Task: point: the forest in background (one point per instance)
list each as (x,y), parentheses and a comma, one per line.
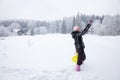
(105,25)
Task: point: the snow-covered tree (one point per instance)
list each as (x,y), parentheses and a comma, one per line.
(109,26)
(63,27)
(77,20)
(31,25)
(117,24)
(69,24)
(96,27)
(43,30)
(73,23)
(53,27)
(3,31)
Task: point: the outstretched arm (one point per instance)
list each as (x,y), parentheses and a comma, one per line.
(86,28)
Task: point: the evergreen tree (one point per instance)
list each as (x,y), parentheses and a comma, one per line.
(73,22)
(64,28)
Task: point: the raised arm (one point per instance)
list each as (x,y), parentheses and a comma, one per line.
(86,28)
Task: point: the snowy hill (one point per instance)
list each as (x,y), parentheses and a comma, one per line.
(48,57)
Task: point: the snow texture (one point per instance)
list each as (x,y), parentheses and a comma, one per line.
(48,57)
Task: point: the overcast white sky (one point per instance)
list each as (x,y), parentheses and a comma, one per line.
(55,9)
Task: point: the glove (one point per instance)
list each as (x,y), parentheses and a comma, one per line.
(90,22)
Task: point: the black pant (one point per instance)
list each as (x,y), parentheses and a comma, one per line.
(81,56)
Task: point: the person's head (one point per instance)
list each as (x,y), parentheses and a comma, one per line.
(76,28)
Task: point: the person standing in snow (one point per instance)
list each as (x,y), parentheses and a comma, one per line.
(79,45)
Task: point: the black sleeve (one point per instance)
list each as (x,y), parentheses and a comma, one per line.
(85,30)
(73,36)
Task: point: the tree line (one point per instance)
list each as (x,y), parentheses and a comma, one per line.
(102,25)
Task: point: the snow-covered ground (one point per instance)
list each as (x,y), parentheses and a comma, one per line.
(48,57)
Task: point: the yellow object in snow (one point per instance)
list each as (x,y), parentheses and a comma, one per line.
(75,58)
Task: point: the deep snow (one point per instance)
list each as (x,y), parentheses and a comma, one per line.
(48,57)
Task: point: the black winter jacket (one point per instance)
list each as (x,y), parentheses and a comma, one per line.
(77,36)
